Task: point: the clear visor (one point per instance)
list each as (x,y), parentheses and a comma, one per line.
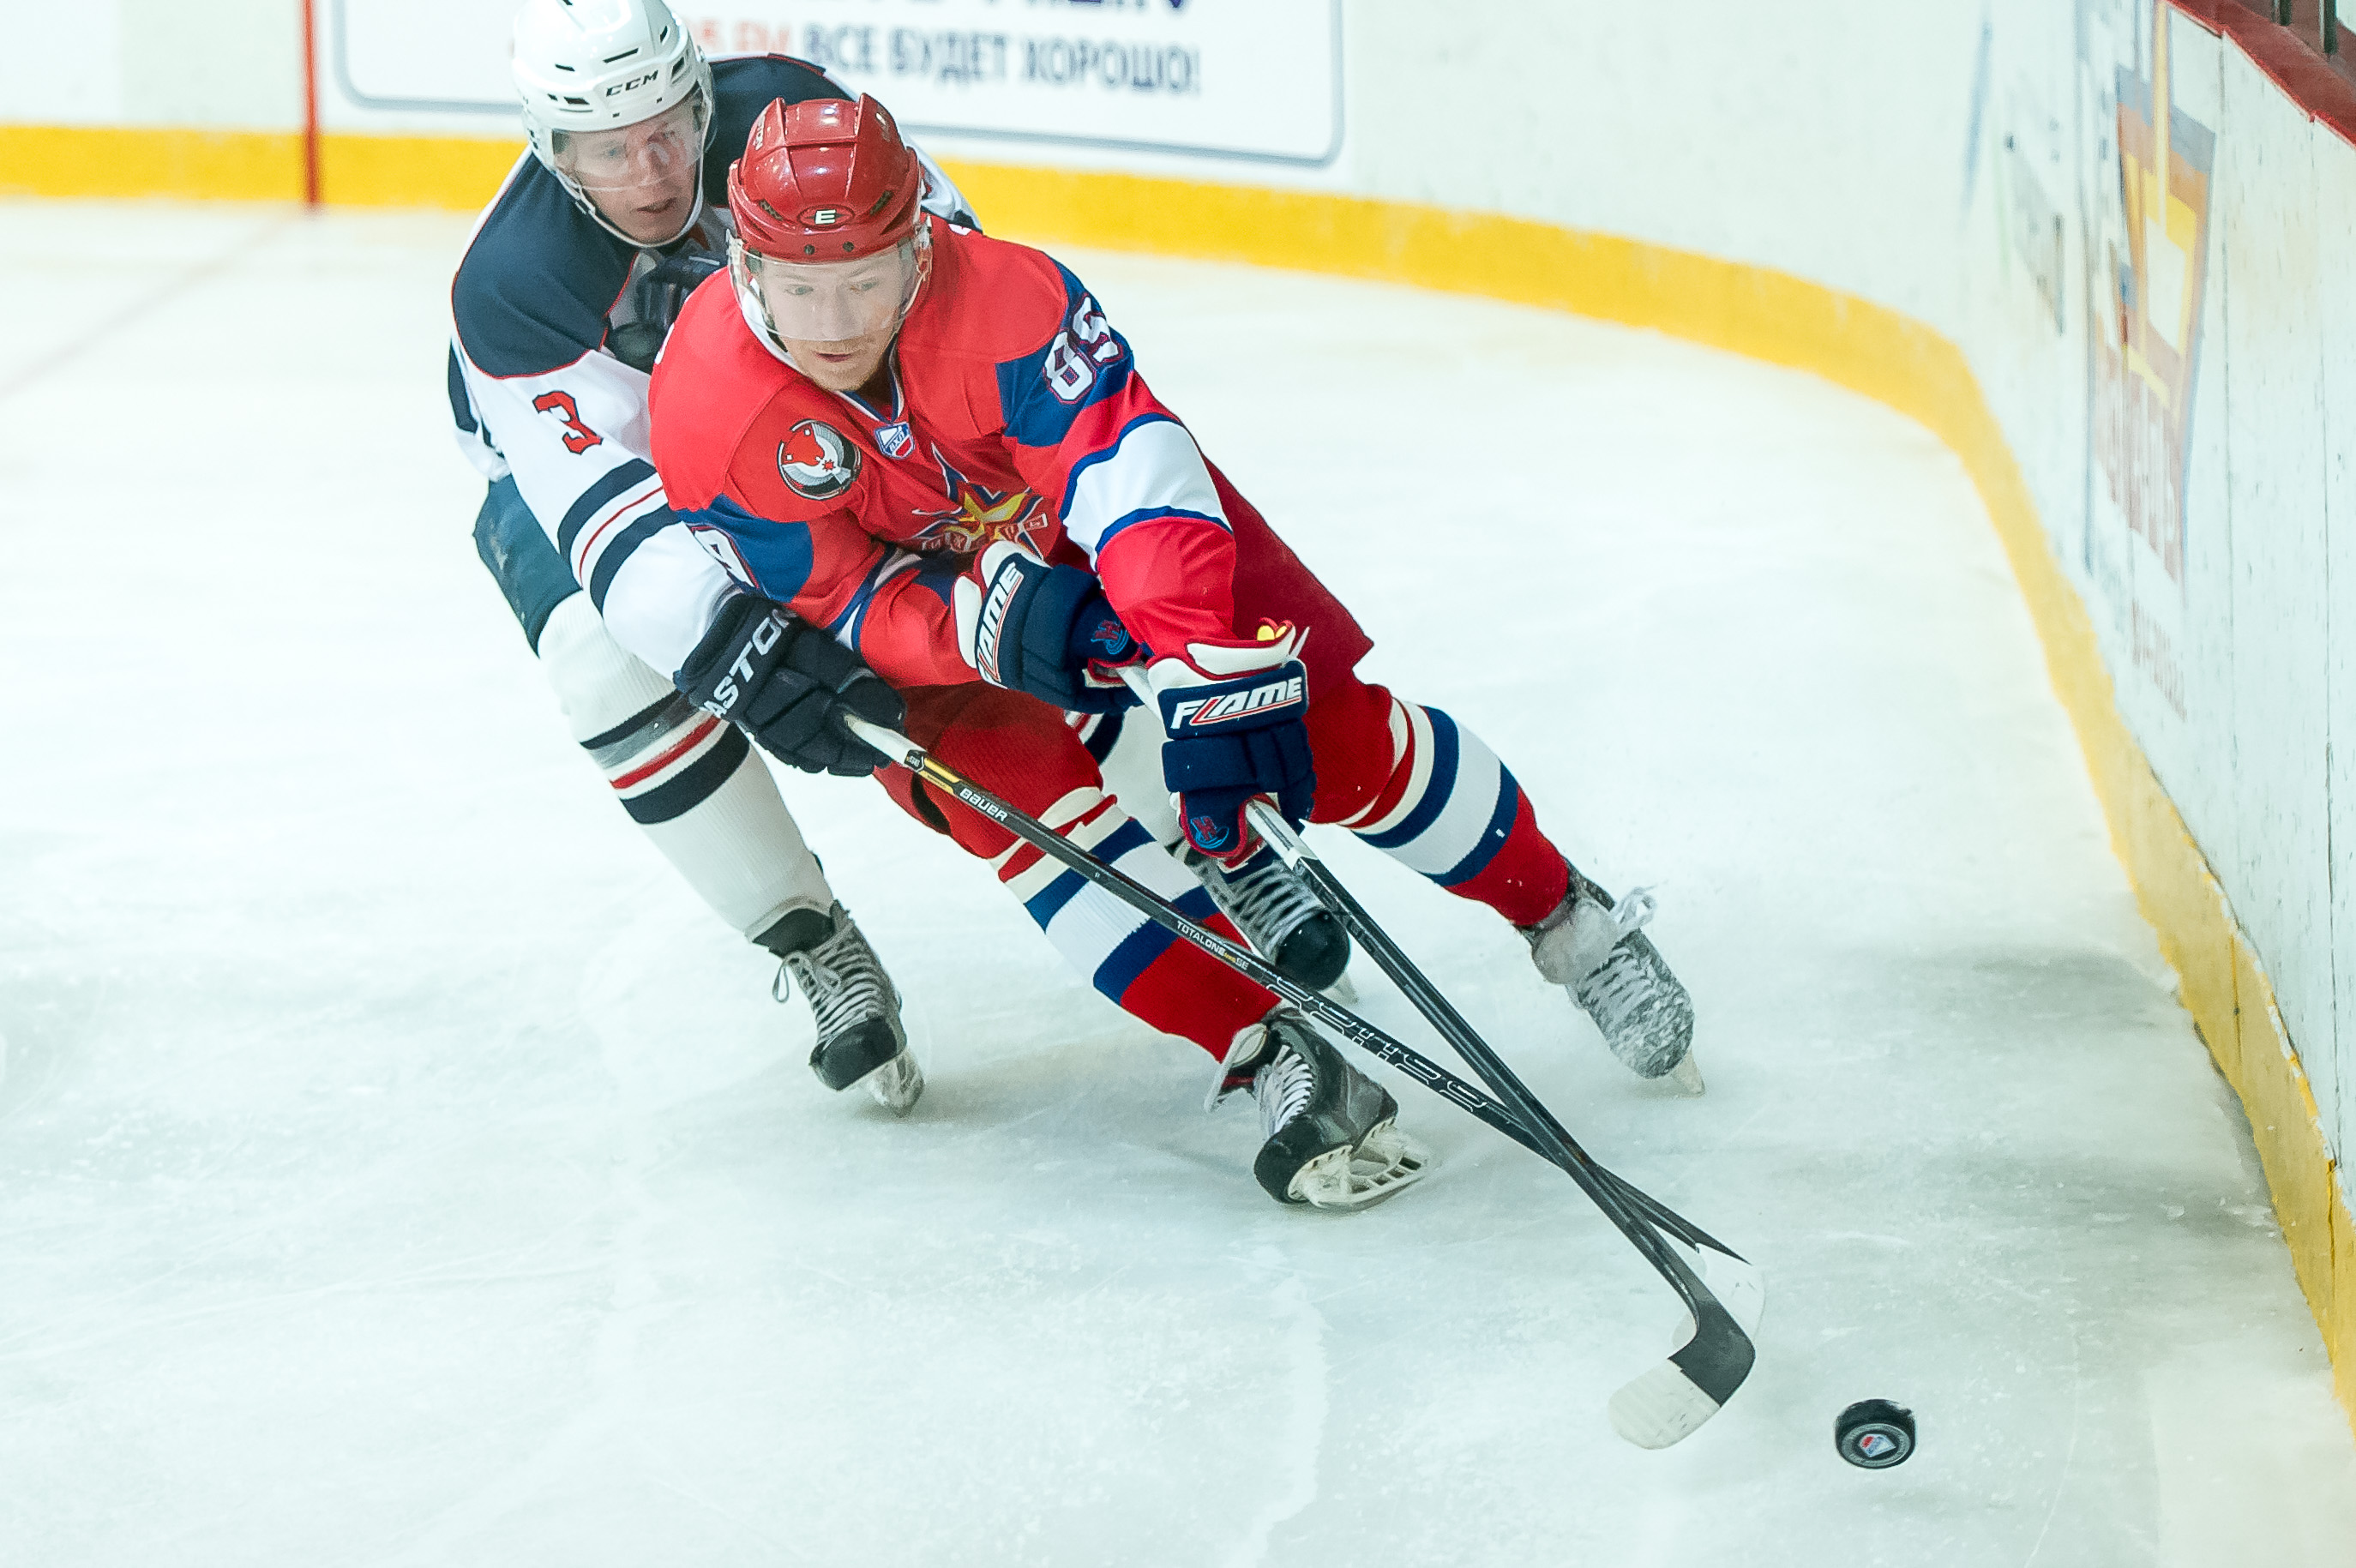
(663,148)
(835,301)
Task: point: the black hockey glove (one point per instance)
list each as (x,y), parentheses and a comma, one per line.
(657,297)
(789,684)
(1047,631)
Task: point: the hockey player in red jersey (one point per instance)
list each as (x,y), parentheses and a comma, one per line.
(937,446)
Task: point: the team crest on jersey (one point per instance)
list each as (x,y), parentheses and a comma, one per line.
(894,440)
(818,460)
(976,517)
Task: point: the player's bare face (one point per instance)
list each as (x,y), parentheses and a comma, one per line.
(641,176)
(837,320)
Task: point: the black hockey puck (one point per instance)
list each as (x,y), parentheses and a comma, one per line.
(1874,1434)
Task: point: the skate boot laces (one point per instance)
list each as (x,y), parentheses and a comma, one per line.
(1283,1086)
(1275,905)
(1641,1008)
(1623,978)
(842,977)
(1268,898)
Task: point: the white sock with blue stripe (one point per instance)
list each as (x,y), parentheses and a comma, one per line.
(1102,937)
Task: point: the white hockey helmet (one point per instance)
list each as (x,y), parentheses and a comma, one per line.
(600,65)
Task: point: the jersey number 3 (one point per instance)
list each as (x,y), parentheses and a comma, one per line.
(578,437)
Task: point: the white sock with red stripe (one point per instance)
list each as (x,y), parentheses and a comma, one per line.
(689,780)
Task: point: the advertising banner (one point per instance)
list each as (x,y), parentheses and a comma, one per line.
(1257,81)
(2149,162)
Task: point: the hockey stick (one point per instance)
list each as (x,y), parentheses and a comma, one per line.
(1731,1276)
(1701,1376)
(1656,1409)
(1442,1014)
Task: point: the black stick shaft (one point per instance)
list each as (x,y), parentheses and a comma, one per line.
(1601,1188)
(1478,1054)
(1552,1140)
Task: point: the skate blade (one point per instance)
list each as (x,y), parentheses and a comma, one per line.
(1686,1075)
(1387,1161)
(897,1084)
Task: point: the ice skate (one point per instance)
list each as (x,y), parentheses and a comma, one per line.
(1597,951)
(1278,913)
(856,1009)
(1331,1141)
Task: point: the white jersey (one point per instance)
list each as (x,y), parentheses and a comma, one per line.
(548,311)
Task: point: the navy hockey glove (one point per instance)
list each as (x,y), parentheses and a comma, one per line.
(1044,630)
(657,297)
(789,684)
(1236,715)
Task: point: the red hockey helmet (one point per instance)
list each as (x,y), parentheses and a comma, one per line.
(831,243)
(824,180)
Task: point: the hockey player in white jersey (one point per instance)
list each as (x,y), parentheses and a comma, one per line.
(558,305)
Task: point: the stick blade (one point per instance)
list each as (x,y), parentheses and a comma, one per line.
(1671,1401)
(1662,1407)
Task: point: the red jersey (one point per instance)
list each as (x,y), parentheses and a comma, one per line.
(1017,412)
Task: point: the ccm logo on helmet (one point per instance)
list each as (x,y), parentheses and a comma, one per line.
(633,84)
(1219,710)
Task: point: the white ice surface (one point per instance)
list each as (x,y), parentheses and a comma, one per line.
(399,1166)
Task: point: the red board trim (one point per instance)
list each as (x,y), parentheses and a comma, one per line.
(2287,57)
(310,104)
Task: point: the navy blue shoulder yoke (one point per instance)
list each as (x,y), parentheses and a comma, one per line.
(741,89)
